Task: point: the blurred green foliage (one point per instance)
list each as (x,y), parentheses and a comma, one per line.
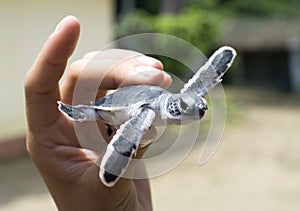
(196,26)
(199,22)
(265,8)
(135,22)
(251,8)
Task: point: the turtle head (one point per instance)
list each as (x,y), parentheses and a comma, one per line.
(184,108)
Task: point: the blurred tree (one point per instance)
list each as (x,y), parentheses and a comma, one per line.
(261,8)
(196,21)
(172,6)
(135,22)
(264,8)
(204,4)
(196,26)
(152,7)
(127,8)
(123,8)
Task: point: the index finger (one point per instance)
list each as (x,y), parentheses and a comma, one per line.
(110,69)
(41,82)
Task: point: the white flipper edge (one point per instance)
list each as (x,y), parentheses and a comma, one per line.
(210,74)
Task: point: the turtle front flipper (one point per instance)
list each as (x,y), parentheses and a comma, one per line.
(78,113)
(210,74)
(123,146)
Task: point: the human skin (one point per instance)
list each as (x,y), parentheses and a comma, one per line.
(70,171)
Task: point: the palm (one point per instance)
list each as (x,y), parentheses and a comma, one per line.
(73,160)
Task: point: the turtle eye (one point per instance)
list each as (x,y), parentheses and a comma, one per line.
(183,105)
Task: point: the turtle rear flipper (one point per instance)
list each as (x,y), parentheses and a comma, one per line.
(210,74)
(78,113)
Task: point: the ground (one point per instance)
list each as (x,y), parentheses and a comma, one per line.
(256,166)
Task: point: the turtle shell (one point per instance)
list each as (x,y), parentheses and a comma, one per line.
(123,104)
(131,95)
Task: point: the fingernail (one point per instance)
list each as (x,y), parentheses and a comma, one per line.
(62,22)
(167,81)
(147,70)
(146,60)
(167,76)
(146,74)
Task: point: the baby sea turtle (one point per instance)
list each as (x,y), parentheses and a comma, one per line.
(134,109)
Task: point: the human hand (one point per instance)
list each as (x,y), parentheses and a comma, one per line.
(69,170)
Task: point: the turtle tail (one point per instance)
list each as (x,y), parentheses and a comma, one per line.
(78,113)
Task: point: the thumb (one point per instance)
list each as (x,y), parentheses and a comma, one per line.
(52,59)
(41,82)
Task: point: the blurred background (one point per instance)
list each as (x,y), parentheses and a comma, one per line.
(257,165)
